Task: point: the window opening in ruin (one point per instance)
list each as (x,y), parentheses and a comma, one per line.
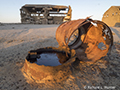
(57,15)
(38,17)
(36,14)
(28,14)
(63,11)
(116,13)
(52,12)
(41,14)
(112,14)
(107,15)
(23,12)
(33,8)
(32,15)
(38,11)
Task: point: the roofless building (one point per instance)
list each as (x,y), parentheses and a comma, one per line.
(45,14)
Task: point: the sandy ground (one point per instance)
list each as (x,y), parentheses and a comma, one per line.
(17,40)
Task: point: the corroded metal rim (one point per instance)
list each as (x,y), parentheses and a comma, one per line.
(41,73)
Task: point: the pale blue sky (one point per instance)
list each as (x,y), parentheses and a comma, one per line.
(9,9)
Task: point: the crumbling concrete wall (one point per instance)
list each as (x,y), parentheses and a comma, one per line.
(112,16)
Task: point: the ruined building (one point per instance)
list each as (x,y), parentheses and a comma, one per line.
(45,14)
(112,16)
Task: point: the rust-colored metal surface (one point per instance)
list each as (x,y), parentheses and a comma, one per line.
(91,39)
(44,73)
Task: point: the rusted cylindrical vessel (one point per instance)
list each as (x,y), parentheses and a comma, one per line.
(43,73)
(92,38)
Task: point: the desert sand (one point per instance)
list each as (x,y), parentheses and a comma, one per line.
(17,39)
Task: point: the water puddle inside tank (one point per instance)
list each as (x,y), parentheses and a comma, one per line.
(52,59)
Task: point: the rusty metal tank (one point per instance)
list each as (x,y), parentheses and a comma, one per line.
(41,65)
(91,39)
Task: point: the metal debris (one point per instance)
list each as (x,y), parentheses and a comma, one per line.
(91,39)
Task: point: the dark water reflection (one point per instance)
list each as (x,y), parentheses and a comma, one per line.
(52,59)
